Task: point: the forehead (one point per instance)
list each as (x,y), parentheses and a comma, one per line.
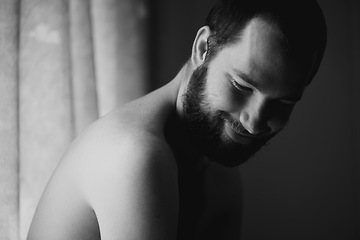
(261,54)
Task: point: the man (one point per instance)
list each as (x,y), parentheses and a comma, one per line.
(163,166)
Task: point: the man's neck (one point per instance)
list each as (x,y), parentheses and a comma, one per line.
(182,144)
(177,133)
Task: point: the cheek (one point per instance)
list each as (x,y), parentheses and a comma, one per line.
(276,124)
(225,97)
(279,119)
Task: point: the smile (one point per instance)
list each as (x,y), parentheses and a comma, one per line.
(236,136)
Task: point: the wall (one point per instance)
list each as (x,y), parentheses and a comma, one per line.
(304,185)
(173,27)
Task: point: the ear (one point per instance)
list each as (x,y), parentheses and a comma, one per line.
(200,46)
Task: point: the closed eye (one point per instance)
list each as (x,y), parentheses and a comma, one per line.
(239,86)
(288,102)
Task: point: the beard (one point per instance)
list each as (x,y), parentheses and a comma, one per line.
(206,127)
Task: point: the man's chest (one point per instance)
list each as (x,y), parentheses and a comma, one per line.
(208,199)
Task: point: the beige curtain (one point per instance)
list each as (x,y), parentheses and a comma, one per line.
(63,64)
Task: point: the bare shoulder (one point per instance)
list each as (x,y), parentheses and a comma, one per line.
(119,143)
(129,177)
(118,150)
(124,177)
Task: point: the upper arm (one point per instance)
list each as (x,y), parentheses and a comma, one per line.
(133,190)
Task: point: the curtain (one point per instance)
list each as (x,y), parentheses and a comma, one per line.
(63,64)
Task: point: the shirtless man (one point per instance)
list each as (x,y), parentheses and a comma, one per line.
(163,166)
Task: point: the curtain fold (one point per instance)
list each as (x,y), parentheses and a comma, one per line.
(84,92)
(9,131)
(119,33)
(46,122)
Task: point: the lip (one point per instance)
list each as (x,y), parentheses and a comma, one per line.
(237,137)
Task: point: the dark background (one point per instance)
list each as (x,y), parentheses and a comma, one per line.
(305,184)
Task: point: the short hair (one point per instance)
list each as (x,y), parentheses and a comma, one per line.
(301,22)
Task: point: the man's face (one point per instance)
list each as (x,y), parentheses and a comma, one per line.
(240,99)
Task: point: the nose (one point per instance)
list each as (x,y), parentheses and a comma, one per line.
(253,116)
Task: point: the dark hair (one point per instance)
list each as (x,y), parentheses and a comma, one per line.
(301,22)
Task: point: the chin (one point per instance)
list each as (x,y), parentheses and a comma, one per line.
(232,154)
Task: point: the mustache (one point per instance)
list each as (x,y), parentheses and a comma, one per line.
(234,124)
(239,128)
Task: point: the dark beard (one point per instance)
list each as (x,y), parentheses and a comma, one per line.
(206,128)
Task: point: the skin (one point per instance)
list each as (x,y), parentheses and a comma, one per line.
(134,175)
